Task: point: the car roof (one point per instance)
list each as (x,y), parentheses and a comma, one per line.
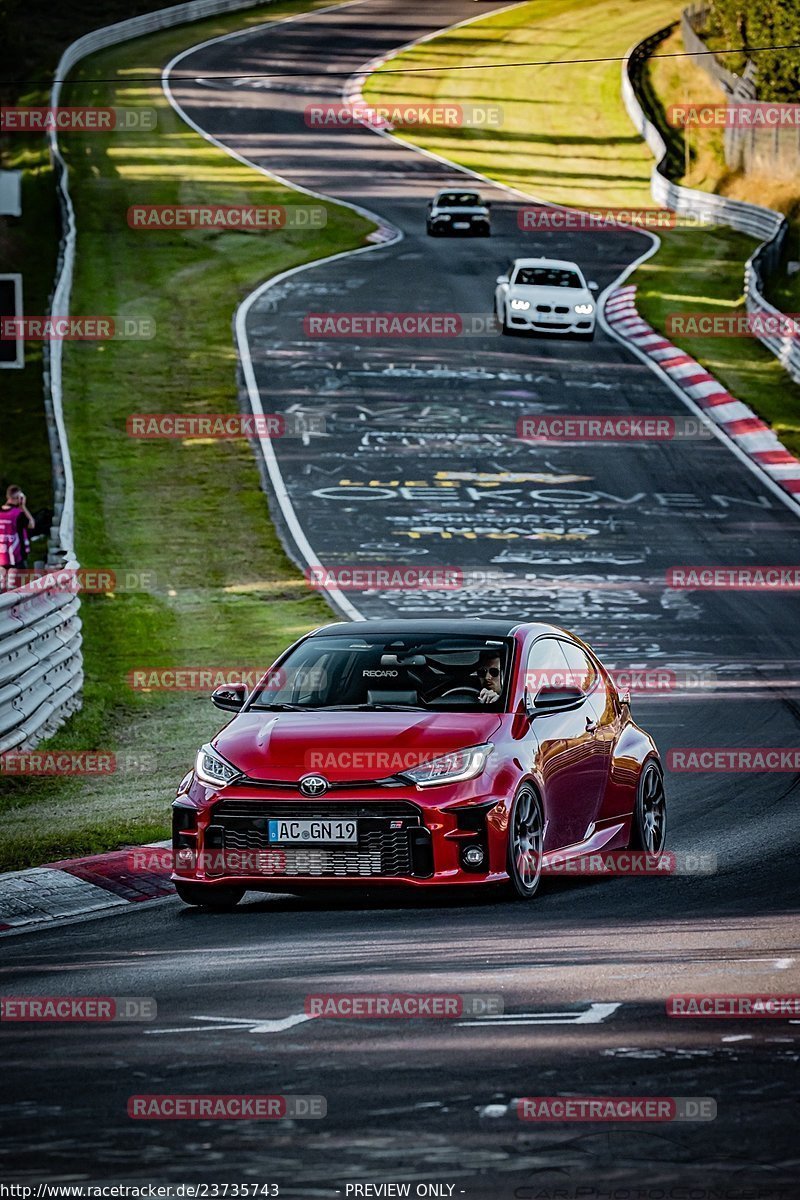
(545,262)
(478,627)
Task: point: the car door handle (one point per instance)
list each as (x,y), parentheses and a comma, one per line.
(591,726)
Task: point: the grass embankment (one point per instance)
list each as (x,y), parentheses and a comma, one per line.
(567,138)
(703,272)
(192,513)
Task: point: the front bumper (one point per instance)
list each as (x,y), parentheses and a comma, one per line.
(559,323)
(403,838)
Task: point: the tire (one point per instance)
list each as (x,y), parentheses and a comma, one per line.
(525,843)
(503,326)
(649,821)
(220,899)
(586,337)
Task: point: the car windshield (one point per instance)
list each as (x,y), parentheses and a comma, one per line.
(458,200)
(429,673)
(551,277)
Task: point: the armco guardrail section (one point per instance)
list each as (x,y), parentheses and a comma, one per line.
(752,219)
(41,665)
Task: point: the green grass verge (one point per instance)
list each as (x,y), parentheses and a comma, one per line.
(193,514)
(567,138)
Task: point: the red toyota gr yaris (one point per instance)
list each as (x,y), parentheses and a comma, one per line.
(418,753)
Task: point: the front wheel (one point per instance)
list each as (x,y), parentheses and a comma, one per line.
(220,899)
(525,844)
(649,824)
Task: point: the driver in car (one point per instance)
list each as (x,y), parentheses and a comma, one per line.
(490,677)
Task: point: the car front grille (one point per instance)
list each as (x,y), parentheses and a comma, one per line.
(241,825)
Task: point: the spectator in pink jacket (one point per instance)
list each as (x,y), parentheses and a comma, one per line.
(15,525)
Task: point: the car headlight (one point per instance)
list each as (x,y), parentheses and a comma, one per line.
(213,769)
(450,768)
(584,308)
(520,304)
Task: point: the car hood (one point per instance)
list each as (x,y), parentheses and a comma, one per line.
(346,745)
(551,295)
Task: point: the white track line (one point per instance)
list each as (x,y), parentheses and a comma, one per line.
(337,599)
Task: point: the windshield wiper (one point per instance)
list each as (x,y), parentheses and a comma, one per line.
(373,708)
(280,707)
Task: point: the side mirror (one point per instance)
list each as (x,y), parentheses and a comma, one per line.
(502,279)
(593,287)
(550,699)
(229,696)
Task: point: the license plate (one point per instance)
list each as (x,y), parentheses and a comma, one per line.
(461,225)
(313,832)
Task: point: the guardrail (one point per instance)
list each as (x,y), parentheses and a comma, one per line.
(41,671)
(764,223)
(41,664)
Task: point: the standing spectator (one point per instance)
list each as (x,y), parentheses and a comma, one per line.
(15,524)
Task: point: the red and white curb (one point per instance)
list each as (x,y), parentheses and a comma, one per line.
(76,887)
(753,437)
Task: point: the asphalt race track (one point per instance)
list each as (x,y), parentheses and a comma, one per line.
(420,464)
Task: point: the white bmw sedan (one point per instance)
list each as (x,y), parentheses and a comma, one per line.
(546,295)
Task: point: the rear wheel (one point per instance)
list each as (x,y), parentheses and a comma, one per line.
(649,825)
(525,844)
(221,899)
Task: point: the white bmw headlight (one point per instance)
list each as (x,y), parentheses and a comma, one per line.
(213,769)
(455,767)
(584,309)
(521,305)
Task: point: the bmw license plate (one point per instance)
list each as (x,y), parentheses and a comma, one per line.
(313,832)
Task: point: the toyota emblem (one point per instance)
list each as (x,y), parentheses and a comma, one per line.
(314,785)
